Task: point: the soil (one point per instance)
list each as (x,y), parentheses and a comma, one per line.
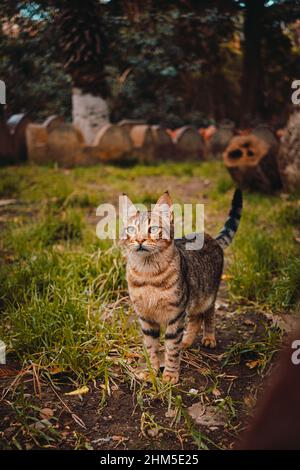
(83,422)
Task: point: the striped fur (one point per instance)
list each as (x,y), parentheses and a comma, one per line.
(172,287)
(227,233)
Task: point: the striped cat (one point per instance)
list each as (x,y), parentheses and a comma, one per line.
(171,286)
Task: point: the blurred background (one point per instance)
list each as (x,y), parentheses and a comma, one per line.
(106,97)
(166,62)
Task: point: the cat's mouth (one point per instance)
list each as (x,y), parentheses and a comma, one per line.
(142,248)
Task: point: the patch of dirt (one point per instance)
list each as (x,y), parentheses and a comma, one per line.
(179,189)
(207,385)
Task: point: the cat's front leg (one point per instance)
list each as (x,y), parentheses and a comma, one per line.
(151,332)
(173,339)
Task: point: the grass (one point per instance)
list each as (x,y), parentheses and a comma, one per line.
(266,265)
(63,293)
(254,353)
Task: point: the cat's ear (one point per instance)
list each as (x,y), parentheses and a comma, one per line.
(164,206)
(127,208)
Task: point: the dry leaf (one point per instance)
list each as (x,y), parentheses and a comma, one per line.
(253,364)
(40,425)
(46,413)
(80,391)
(216,392)
(55,370)
(153,432)
(249,322)
(170,414)
(207,415)
(119,438)
(249,401)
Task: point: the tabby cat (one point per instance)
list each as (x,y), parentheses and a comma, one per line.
(171,286)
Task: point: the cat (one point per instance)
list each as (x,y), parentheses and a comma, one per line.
(171,286)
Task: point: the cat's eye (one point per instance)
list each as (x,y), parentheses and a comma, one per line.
(131,230)
(154,229)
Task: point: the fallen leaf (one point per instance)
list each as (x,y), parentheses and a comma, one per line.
(249,322)
(55,370)
(250,401)
(153,432)
(170,414)
(120,438)
(80,391)
(46,413)
(40,425)
(207,415)
(297,239)
(216,392)
(253,364)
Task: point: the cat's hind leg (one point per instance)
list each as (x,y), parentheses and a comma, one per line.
(209,338)
(193,327)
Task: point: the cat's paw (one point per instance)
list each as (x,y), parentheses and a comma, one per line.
(186,343)
(172,377)
(145,375)
(209,341)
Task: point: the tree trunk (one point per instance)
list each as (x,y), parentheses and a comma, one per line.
(83,47)
(252,98)
(89,112)
(289,154)
(251,161)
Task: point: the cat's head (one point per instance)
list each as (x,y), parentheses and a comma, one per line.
(147,232)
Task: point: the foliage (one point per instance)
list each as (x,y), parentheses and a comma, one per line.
(35,81)
(173,63)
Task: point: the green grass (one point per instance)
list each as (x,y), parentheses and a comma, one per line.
(265,265)
(63,292)
(259,353)
(61,279)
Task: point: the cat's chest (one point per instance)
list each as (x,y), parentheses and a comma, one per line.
(152,296)
(147,299)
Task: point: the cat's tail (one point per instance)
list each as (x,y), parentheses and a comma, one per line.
(227,233)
